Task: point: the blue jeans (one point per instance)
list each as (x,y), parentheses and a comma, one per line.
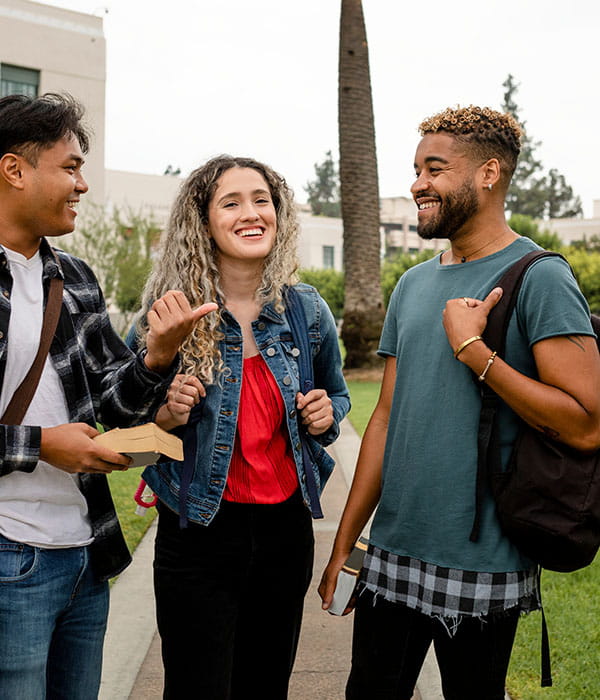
(52,622)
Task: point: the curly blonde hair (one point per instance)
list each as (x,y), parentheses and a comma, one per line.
(186,260)
(484,132)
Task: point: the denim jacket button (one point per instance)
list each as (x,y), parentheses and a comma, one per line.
(295,352)
(287,381)
(261,326)
(293,413)
(271,352)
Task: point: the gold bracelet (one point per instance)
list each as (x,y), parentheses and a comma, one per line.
(462,346)
(490,362)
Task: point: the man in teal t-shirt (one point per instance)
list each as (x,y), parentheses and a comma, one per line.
(423,579)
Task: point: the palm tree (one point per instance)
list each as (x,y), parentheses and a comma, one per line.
(363,305)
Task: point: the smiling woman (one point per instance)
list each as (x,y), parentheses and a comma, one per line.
(234,548)
(243,221)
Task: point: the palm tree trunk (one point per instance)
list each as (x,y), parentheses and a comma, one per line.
(363,305)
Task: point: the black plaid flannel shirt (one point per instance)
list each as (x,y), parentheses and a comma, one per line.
(445,593)
(103,381)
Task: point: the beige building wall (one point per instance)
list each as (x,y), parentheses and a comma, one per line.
(149,195)
(317,232)
(69,50)
(569,230)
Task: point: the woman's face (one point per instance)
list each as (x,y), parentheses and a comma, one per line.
(241,216)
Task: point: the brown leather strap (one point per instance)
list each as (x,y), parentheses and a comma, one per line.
(17,408)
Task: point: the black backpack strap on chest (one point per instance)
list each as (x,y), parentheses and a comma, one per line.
(488,457)
(488,446)
(296,318)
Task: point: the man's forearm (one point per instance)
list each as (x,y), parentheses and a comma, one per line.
(565,406)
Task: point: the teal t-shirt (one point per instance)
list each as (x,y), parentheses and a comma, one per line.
(428,483)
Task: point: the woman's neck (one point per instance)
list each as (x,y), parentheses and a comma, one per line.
(240,282)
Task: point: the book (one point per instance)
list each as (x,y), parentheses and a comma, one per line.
(143,443)
(348,577)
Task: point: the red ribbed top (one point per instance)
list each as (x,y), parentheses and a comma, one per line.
(262,468)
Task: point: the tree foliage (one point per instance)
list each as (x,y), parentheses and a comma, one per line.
(393,269)
(330,284)
(533,192)
(586,266)
(526,226)
(324,191)
(118,247)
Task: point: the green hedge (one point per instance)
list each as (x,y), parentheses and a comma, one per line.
(330,283)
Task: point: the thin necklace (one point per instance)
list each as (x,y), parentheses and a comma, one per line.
(470,255)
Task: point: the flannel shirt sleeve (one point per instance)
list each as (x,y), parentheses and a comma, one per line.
(19,448)
(123,390)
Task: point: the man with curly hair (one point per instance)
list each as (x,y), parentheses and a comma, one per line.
(60,539)
(424,580)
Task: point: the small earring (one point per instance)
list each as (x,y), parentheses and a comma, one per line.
(489,186)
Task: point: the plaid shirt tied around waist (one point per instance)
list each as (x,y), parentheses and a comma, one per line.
(445,593)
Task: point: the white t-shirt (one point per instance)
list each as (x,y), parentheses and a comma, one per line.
(44,508)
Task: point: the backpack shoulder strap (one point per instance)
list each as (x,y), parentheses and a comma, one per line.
(510,282)
(488,450)
(296,317)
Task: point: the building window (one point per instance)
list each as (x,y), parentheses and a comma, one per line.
(328,256)
(18,81)
(412,227)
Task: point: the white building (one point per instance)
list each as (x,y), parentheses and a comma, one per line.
(569,230)
(48,49)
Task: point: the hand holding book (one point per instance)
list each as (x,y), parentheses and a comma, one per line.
(143,443)
(341,602)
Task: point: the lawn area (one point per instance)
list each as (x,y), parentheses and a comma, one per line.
(122,486)
(572,607)
(363,396)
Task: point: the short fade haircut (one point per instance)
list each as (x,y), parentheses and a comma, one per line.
(483,132)
(29,125)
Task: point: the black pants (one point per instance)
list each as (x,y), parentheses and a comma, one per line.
(230,598)
(390,642)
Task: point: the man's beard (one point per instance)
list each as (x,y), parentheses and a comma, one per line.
(453,213)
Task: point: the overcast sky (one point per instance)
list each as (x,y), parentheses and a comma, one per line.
(188,79)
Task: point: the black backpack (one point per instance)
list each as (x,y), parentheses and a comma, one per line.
(548,498)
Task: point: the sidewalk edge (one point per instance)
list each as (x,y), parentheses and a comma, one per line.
(131,622)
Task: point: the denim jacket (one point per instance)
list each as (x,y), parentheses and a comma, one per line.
(215,418)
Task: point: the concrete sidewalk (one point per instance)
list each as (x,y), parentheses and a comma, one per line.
(132,663)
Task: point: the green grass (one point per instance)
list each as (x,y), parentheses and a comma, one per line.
(572,607)
(123,486)
(571,603)
(363,396)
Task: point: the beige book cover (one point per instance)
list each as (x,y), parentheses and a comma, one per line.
(144,443)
